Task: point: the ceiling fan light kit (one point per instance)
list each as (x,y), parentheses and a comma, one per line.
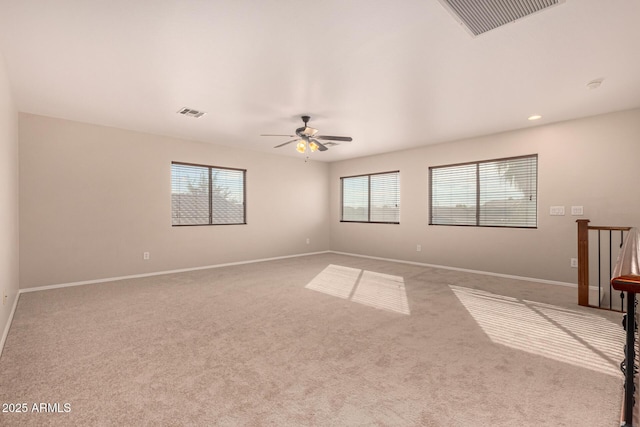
(301,147)
(307,138)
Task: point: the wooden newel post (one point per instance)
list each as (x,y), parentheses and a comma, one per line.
(583,262)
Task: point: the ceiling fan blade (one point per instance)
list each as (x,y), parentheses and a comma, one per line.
(269,134)
(321,146)
(285,143)
(334,138)
(331,144)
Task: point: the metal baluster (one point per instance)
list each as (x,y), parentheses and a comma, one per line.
(610,272)
(621,292)
(628,365)
(599,273)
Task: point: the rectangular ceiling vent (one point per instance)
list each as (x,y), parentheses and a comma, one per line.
(480,16)
(190,112)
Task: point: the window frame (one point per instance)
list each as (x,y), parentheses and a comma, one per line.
(478,195)
(210,171)
(368,175)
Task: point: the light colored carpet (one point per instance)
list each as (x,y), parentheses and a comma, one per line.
(325,340)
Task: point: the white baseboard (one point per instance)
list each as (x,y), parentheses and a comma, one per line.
(466,270)
(5,333)
(159,273)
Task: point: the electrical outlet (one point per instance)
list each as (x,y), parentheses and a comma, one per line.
(419,248)
(145,256)
(574,262)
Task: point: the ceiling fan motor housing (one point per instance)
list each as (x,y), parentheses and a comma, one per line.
(306,131)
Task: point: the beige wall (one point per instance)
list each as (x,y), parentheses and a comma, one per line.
(8,199)
(93,199)
(592,162)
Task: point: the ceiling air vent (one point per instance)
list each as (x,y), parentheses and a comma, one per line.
(190,112)
(480,16)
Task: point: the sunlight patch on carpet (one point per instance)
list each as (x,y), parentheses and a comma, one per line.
(378,290)
(335,280)
(573,337)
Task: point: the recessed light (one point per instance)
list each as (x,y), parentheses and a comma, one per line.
(594,84)
(534,117)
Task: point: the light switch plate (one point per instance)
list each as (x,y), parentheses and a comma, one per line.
(577,210)
(556,210)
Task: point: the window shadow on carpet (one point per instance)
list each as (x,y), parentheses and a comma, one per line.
(569,336)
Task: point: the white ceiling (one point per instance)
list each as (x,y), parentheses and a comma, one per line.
(391,74)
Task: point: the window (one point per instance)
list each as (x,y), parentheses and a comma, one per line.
(494,193)
(207,195)
(371,198)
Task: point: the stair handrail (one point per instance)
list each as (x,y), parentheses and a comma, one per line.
(583,256)
(626,278)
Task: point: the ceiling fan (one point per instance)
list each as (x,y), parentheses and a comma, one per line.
(307,137)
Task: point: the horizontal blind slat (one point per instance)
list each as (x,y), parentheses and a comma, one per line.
(385,198)
(453,195)
(507,193)
(189,195)
(228,196)
(371,198)
(197,201)
(355,198)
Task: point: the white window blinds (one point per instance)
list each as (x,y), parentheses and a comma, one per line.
(495,193)
(207,195)
(371,198)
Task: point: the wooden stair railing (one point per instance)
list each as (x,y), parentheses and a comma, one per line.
(626,278)
(583,257)
(631,285)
